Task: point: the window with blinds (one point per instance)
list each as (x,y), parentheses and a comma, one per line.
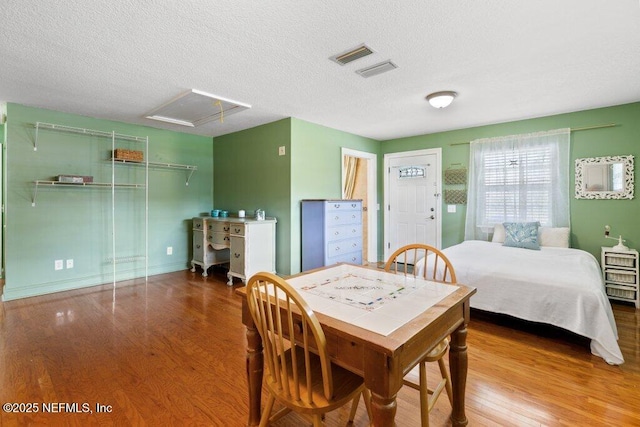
(517,185)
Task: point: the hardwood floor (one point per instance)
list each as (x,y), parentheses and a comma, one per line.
(172,352)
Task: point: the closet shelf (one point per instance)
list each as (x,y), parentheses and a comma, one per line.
(43,183)
(159,165)
(82,131)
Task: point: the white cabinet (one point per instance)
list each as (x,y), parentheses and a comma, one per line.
(248,245)
(331,232)
(620,270)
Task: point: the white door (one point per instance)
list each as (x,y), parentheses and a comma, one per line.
(412,199)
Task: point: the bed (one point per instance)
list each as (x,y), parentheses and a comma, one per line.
(554,285)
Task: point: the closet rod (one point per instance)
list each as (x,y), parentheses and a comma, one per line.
(606,125)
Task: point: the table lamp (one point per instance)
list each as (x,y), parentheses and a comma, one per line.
(620,246)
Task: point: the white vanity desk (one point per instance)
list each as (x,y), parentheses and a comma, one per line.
(247,244)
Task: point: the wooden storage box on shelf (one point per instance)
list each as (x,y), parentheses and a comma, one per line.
(131,155)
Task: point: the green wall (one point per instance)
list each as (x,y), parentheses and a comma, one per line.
(316,169)
(249,174)
(588,217)
(252,175)
(75,223)
(241,170)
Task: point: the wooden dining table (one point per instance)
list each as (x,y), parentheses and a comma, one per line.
(382,359)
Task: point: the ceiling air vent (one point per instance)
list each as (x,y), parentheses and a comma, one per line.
(352,54)
(195,108)
(376,69)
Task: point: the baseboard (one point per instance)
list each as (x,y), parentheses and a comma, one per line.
(13,293)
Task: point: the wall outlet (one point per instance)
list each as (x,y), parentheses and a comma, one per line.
(169,250)
(70,263)
(58,265)
(281,150)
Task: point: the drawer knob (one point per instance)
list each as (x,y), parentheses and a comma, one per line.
(237,230)
(337,232)
(198,246)
(236,255)
(337,206)
(337,248)
(226,238)
(198,226)
(226,228)
(337,218)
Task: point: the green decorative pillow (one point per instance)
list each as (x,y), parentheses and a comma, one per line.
(521,235)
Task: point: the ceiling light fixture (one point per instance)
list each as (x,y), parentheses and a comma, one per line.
(441,99)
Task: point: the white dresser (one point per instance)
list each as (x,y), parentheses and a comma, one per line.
(246,244)
(331,232)
(620,270)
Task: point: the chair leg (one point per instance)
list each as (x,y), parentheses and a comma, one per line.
(366,396)
(424,396)
(354,408)
(266,412)
(445,374)
(317,420)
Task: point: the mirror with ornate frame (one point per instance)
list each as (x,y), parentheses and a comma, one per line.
(604,178)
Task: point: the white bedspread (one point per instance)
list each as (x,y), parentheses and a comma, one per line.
(558,286)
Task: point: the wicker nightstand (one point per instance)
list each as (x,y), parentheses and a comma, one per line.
(620,270)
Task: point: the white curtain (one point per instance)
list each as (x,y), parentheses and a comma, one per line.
(350,168)
(518,178)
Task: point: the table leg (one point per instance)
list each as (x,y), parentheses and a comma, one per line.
(458,365)
(255,364)
(383,410)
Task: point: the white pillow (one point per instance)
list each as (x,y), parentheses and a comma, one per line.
(557,237)
(498,234)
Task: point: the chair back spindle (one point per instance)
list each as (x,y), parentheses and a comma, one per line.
(278,312)
(420,260)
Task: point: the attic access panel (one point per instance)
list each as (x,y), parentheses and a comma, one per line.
(195,108)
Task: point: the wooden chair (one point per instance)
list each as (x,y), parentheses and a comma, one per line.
(298,372)
(425,261)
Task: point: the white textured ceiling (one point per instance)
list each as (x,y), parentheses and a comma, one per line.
(507,59)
